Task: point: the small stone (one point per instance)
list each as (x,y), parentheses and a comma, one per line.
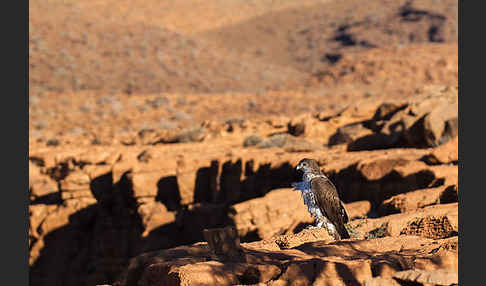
(296,129)
(252,140)
(52,142)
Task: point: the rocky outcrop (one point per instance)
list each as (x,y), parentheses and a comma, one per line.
(275,213)
(309,261)
(432,221)
(348,134)
(412,201)
(102,205)
(141,198)
(428,120)
(387,175)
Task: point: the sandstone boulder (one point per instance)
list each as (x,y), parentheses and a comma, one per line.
(411,201)
(272,214)
(348,133)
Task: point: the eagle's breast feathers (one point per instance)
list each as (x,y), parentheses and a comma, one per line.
(321,198)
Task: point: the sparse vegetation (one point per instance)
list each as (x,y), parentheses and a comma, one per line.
(353,233)
(381,231)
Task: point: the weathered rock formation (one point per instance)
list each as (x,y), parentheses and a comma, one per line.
(102,207)
(93,209)
(309,257)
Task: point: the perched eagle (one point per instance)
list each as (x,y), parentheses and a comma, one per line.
(321,198)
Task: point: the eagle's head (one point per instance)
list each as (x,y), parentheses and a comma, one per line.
(307,165)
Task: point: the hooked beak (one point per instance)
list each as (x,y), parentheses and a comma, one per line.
(298,167)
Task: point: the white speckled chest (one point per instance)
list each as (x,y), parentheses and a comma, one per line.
(308,196)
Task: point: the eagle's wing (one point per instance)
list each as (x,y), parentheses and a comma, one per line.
(330,204)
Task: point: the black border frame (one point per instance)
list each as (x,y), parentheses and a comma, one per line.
(15,116)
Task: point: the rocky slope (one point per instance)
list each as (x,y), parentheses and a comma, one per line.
(102,205)
(228,46)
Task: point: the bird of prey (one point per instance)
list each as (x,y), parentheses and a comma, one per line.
(322,200)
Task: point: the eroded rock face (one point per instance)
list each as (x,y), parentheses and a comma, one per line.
(168,198)
(386,175)
(436,221)
(310,261)
(431,227)
(414,200)
(102,205)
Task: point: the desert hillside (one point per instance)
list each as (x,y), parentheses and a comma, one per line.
(163,132)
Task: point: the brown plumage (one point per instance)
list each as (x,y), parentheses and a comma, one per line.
(322,200)
(330,204)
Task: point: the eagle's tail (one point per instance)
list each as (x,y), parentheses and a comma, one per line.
(341,228)
(343,232)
